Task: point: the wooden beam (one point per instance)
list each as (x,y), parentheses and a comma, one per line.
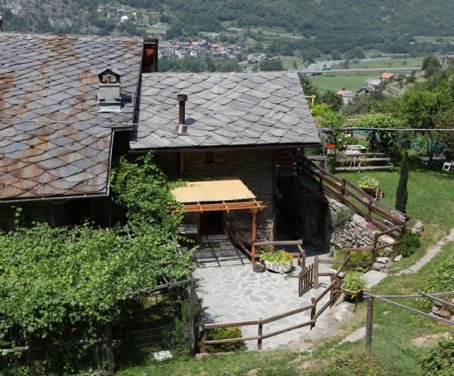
(254,232)
(221,206)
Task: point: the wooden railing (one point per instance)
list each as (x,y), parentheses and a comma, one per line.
(381,215)
(386,218)
(333,289)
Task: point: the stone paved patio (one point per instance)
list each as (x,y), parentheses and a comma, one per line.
(236,293)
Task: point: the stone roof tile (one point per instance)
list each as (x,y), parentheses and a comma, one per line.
(51,132)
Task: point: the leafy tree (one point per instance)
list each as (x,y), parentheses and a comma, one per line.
(308,87)
(271,65)
(67,283)
(333,100)
(402,190)
(430,65)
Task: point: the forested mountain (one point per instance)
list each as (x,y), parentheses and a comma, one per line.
(323,26)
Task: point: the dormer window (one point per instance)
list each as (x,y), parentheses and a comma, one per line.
(109,96)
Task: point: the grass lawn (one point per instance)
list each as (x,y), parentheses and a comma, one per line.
(335,82)
(394,352)
(430,199)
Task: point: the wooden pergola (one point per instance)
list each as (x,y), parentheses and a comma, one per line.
(219,195)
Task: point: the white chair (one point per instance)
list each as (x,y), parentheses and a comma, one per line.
(447,166)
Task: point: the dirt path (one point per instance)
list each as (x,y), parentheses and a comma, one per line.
(430,254)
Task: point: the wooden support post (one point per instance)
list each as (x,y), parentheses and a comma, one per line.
(254,232)
(316,270)
(260,334)
(313,311)
(369,321)
(203,346)
(191,324)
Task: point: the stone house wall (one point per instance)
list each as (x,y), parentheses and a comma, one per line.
(256,168)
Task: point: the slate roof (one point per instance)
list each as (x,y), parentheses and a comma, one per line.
(53,140)
(223,110)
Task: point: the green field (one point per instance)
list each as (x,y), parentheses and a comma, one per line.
(398,62)
(335,82)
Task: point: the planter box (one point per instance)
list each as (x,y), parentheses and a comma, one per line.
(374,192)
(278,268)
(353,295)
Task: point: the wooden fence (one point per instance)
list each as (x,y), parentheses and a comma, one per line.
(333,290)
(381,215)
(389,220)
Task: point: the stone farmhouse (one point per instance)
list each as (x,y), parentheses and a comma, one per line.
(70,105)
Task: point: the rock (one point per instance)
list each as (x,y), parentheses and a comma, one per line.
(258,267)
(378,267)
(388,251)
(202,355)
(418,228)
(398,258)
(358,220)
(386,239)
(442,312)
(253,372)
(162,355)
(382,260)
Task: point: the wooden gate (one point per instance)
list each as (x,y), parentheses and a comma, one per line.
(306,280)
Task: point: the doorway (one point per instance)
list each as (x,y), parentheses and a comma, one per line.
(212,223)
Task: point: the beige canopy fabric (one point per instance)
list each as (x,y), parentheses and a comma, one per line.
(213,191)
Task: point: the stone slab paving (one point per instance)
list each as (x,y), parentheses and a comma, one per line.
(236,293)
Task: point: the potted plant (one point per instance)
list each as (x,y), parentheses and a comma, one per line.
(353,285)
(278,261)
(370,185)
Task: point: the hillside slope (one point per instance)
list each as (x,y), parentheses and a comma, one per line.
(325,25)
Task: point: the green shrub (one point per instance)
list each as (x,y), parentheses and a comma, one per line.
(442,279)
(408,245)
(224,333)
(342,216)
(439,360)
(279,256)
(353,281)
(368,182)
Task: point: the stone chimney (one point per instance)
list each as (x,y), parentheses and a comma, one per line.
(150,55)
(109,96)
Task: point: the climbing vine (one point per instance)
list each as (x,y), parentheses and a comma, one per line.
(63,283)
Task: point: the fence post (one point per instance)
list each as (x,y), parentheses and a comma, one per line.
(369,321)
(203,346)
(316,266)
(332,289)
(313,311)
(336,292)
(191,325)
(260,334)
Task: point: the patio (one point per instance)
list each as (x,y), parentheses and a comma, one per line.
(236,293)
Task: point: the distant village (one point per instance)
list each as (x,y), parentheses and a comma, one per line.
(180,49)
